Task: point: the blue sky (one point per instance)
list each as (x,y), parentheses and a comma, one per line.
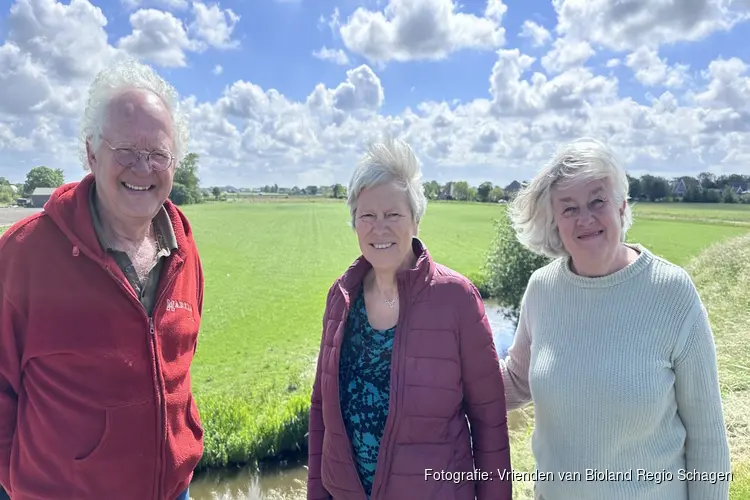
(277,39)
(273,44)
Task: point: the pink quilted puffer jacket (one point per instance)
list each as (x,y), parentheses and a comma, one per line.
(444,369)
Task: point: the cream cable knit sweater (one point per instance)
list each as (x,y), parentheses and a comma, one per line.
(623,375)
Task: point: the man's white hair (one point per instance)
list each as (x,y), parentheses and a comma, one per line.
(391,160)
(581,161)
(126,74)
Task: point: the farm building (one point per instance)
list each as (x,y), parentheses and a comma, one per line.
(40,196)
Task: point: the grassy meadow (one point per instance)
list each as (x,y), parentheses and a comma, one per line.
(268,267)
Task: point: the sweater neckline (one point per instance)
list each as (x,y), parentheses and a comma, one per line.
(643,260)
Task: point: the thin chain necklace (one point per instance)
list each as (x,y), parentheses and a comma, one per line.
(391,303)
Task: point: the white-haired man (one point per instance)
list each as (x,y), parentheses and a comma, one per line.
(102,295)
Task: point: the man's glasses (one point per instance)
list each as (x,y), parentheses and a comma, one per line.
(158,159)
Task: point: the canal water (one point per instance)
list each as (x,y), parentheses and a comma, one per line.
(287,481)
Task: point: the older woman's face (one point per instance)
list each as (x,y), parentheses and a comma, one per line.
(385,226)
(589,220)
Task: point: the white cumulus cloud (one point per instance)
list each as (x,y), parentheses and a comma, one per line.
(422,29)
(576,79)
(337,56)
(536,32)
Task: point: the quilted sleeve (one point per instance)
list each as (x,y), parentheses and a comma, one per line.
(484,400)
(316,427)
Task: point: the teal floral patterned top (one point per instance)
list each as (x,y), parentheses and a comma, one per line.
(365,375)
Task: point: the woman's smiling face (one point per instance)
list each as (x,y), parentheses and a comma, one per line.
(385,226)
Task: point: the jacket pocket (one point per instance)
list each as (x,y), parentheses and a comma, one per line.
(101,443)
(193,417)
(124,459)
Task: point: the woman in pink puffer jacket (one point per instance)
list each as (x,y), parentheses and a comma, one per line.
(408,400)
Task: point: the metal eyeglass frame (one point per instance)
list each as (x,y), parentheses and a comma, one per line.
(140,152)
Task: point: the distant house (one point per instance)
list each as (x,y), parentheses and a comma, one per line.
(40,196)
(447,192)
(679,188)
(513,187)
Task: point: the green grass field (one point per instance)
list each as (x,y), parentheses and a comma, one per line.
(696,212)
(268,267)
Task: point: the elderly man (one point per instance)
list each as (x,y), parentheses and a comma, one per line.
(102,296)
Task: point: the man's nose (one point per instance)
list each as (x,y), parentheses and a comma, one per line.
(141,166)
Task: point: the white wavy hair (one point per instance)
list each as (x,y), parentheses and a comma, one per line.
(125,74)
(391,160)
(583,160)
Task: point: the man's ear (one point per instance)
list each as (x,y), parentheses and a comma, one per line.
(90,156)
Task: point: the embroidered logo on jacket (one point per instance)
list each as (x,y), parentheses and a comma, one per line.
(173,305)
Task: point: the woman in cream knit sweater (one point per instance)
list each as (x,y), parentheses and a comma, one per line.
(613,347)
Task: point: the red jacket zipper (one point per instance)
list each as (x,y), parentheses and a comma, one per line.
(162,429)
(158,375)
(157,383)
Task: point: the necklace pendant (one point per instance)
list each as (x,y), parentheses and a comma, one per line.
(391,303)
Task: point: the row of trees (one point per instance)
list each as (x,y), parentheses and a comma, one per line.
(462,191)
(35,178)
(705,188)
(334,191)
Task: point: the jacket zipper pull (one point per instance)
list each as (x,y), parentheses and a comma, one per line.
(151,325)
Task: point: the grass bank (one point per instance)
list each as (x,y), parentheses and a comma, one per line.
(721,274)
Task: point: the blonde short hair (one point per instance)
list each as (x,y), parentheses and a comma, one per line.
(582,160)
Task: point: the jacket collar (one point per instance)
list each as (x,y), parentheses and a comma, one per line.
(70,210)
(411,280)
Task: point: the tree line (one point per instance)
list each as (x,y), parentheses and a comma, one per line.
(705,188)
